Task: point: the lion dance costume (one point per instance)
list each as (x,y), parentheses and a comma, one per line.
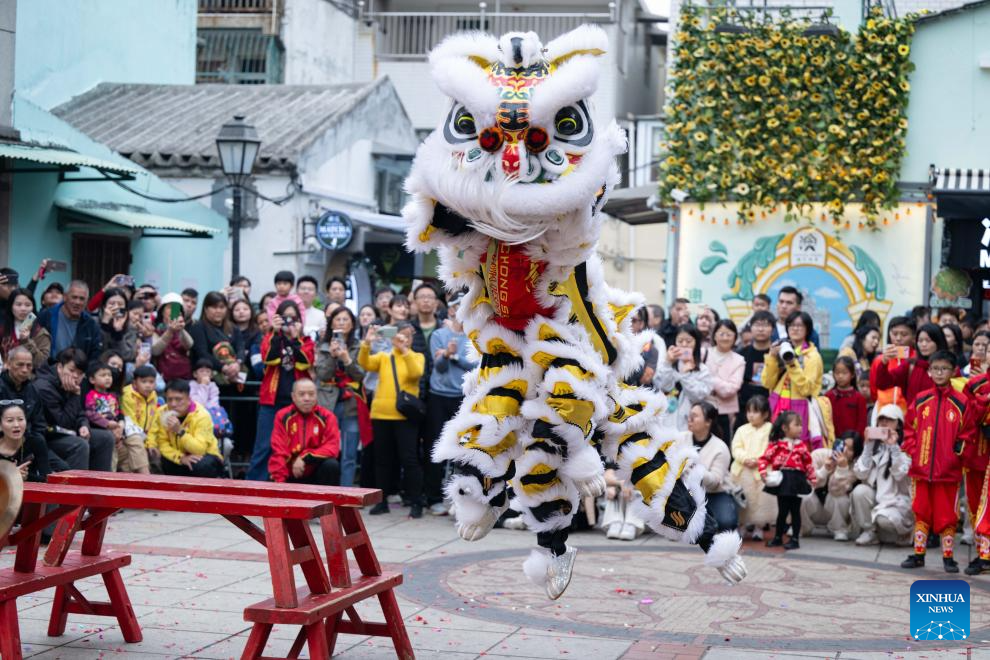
(508,191)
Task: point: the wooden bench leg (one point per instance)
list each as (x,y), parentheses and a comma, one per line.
(121,604)
(10,633)
(331,628)
(396,626)
(257,641)
(60,612)
(317,639)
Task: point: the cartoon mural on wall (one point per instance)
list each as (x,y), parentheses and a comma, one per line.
(841,273)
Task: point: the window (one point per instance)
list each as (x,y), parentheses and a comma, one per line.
(239,57)
(390,172)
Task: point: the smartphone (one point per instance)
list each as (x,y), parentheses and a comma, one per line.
(875,433)
(124,280)
(28,321)
(839,446)
(388,331)
(120,314)
(338,337)
(903,352)
(173,311)
(147,318)
(975,363)
(235,294)
(757,372)
(55,266)
(241,377)
(685,354)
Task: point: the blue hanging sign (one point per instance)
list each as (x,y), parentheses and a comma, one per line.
(334,230)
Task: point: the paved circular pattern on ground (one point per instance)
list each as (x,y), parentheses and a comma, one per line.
(667,594)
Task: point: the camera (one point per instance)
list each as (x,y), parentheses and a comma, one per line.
(786,351)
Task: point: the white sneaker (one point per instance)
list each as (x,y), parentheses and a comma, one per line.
(967,537)
(439,509)
(757,534)
(869,537)
(394,499)
(612,531)
(628,532)
(840,536)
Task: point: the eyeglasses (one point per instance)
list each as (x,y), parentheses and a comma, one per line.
(940,370)
(11,402)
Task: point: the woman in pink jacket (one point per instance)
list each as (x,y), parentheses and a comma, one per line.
(726,368)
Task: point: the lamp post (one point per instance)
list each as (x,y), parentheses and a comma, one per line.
(238,146)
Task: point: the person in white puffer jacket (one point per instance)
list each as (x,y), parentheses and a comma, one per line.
(830,504)
(881,503)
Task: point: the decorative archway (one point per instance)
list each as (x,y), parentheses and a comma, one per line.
(773,256)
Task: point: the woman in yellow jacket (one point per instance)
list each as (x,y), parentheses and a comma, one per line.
(394,435)
(794,378)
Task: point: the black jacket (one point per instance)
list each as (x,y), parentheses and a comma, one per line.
(34,440)
(89,337)
(64,412)
(205,337)
(421,345)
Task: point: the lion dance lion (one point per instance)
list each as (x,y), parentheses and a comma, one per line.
(509,191)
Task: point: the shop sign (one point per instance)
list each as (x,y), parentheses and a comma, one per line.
(334,230)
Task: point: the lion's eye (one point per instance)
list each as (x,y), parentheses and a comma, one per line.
(464,122)
(568,121)
(460,125)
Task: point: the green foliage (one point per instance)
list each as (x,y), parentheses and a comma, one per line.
(772,117)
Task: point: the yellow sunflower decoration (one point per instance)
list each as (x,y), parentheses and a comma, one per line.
(773,117)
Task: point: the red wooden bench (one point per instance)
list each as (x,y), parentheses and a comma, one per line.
(343,530)
(26,577)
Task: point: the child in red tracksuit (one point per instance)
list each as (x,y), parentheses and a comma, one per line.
(975,469)
(940,424)
(305,441)
(788,454)
(848,404)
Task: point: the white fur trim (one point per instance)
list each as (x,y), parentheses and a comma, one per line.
(572,82)
(582,465)
(465,79)
(536,566)
(585,37)
(725,547)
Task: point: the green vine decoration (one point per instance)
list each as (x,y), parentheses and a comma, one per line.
(772,117)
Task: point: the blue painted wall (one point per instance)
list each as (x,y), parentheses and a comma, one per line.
(949,109)
(169,263)
(65,47)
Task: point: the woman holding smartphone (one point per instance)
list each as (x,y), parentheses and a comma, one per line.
(24,328)
(339,380)
(907,370)
(978,358)
(683,377)
(114,325)
(793,374)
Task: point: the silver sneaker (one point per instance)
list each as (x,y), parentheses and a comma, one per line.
(733,571)
(480,529)
(559,573)
(439,509)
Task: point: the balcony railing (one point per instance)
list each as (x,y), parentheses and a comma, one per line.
(411,35)
(236,6)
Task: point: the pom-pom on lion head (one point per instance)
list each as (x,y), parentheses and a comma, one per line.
(519,147)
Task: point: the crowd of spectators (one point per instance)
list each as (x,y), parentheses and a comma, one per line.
(129,378)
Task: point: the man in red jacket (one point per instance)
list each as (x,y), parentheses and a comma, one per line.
(940,423)
(305,441)
(975,468)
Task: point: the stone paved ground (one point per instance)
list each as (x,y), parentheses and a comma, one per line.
(192,576)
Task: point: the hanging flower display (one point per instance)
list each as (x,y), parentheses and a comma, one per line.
(774,116)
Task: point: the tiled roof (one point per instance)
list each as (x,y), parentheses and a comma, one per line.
(174,127)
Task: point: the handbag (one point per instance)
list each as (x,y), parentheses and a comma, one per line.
(409,406)
(774,478)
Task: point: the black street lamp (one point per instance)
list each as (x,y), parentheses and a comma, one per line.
(238,146)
